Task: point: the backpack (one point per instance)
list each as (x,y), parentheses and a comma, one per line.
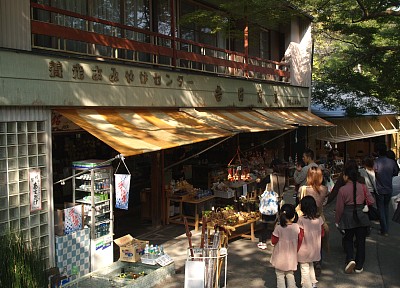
(269,203)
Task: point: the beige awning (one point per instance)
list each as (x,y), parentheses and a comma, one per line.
(136,131)
(132,132)
(236,120)
(294,117)
(348,129)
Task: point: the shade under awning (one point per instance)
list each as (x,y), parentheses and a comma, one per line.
(294,117)
(132,132)
(236,120)
(348,129)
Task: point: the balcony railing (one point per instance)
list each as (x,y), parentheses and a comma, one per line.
(76,33)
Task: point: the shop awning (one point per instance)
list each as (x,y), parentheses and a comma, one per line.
(236,120)
(348,129)
(132,132)
(294,117)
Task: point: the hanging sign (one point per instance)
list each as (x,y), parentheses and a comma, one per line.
(122,185)
(35,187)
(73,219)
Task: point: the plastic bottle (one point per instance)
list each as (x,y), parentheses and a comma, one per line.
(146,250)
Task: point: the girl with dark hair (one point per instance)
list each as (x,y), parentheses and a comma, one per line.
(350,218)
(310,250)
(286,238)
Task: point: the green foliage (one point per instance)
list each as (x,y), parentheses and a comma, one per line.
(21,265)
(356,53)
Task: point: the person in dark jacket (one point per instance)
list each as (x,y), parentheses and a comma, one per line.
(385,169)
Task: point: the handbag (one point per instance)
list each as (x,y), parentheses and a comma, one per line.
(396,215)
(373,213)
(269,203)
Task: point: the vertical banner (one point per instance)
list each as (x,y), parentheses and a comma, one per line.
(122,185)
(73,219)
(35,187)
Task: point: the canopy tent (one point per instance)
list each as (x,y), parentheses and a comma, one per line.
(348,129)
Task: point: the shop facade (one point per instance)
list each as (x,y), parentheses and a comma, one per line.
(137,90)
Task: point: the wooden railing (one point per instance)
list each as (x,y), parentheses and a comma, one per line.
(101,38)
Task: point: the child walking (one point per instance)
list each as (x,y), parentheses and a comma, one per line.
(287,237)
(310,250)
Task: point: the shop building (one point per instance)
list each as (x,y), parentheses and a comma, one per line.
(127,73)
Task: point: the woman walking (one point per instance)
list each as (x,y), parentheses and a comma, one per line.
(350,217)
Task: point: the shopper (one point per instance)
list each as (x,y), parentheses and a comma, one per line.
(351,218)
(385,169)
(300,175)
(319,192)
(286,238)
(310,250)
(369,176)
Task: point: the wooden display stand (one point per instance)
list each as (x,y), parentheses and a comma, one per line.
(248,234)
(178,219)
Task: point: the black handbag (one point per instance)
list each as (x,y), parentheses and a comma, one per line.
(396,215)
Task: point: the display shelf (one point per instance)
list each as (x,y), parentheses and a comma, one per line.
(95,184)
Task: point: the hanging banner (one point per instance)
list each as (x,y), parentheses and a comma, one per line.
(122,185)
(73,219)
(35,187)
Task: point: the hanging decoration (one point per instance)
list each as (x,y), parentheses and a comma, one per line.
(122,186)
(238,171)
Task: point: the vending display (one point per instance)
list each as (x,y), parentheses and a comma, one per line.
(92,187)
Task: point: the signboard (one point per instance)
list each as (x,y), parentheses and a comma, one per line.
(122,184)
(73,219)
(35,188)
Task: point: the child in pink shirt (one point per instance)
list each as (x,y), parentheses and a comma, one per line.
(287,237)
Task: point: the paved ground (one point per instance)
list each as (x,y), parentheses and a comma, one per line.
(249,267)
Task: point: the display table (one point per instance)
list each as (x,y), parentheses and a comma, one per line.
(248,234)
(178,219)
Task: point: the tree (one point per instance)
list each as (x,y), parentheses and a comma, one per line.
(356,53)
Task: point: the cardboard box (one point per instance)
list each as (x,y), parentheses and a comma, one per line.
(130,249)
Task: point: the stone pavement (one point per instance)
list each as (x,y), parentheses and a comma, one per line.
(249,267)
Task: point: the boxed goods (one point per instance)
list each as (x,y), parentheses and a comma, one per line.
(130,249)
